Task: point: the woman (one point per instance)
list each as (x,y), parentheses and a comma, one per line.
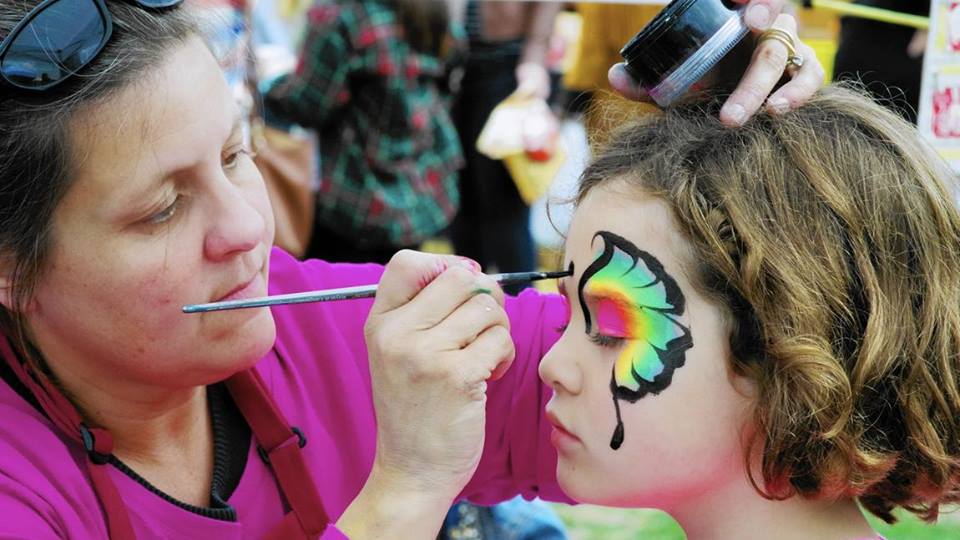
(128,192)
(764,327)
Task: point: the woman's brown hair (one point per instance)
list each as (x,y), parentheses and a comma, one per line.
(830,236)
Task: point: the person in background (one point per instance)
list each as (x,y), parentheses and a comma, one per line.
(374,80)
(886,58)
(507,54)
(605,28)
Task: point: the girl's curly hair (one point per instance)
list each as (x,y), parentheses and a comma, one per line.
(830,237)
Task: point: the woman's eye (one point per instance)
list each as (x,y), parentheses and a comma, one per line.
(606,341)
(165,214)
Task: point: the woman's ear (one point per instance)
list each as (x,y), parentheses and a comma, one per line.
(6,282)
(8,298)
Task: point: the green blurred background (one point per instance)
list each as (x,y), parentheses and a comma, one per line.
(586,522)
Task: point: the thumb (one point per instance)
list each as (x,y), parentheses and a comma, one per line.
(408,272)
(621,81)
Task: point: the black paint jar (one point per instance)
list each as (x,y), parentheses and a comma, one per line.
(681,44)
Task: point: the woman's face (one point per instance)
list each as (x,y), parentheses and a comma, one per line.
(166,209)
(642,341)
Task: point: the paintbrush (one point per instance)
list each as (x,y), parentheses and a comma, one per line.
(349,293)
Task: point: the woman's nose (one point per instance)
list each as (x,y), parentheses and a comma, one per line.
(238,225)
(559,370)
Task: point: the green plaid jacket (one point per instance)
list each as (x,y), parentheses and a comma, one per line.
(389,152)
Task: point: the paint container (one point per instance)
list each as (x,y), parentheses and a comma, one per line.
(681,45)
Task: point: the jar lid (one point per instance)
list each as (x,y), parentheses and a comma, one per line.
(681,44)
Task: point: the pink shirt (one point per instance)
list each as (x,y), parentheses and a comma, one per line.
(318,375)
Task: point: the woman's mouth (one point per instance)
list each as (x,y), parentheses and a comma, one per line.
(249,289)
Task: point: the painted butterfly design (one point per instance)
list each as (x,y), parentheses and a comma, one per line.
(647,302)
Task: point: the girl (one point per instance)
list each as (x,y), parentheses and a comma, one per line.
(764,325)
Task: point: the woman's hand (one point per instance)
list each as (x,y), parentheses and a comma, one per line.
(436,333)
(765,69)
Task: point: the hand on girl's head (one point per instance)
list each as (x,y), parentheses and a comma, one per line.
(756,86)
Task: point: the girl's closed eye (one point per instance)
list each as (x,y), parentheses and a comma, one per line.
(164,215)
(603,340)
(566,312)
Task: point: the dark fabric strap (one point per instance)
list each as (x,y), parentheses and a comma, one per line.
(282,445)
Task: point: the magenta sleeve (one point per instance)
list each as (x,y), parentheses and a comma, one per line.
(26,514)
(517,456)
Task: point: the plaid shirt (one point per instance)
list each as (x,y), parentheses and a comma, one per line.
(389,152)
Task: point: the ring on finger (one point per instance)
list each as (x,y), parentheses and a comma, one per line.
(794,59)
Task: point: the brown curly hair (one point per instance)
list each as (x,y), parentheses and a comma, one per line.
(830,238)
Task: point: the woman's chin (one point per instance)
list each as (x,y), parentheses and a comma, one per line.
(245,349)
(258,342)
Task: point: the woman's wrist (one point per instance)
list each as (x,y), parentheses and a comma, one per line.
(392,506)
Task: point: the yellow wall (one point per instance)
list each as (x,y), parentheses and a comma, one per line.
(820,29)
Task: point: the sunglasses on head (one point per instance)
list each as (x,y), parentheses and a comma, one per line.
(57,39)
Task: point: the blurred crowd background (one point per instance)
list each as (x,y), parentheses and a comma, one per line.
(462,126)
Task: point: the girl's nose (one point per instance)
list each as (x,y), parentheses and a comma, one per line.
(559,370)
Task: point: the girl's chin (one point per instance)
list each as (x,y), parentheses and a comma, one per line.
(584,489)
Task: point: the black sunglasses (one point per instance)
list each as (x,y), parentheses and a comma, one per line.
(57,39)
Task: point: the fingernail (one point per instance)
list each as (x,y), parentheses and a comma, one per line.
(735,112)
(616,74)
(469,263)
(482,290)
(758,17)
(778,105)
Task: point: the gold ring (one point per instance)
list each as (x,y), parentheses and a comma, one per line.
(794,60)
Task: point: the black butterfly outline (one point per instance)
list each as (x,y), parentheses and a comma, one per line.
(673,356)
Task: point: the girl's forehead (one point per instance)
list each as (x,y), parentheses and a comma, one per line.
(640,221)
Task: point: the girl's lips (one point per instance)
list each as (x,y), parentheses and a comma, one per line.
(559,436)
(562,440)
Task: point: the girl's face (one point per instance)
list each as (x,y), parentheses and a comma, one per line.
(643,345)
(166,209)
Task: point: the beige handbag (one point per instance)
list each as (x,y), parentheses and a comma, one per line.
(288,164)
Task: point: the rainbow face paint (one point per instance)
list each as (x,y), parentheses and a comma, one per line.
(630,301)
